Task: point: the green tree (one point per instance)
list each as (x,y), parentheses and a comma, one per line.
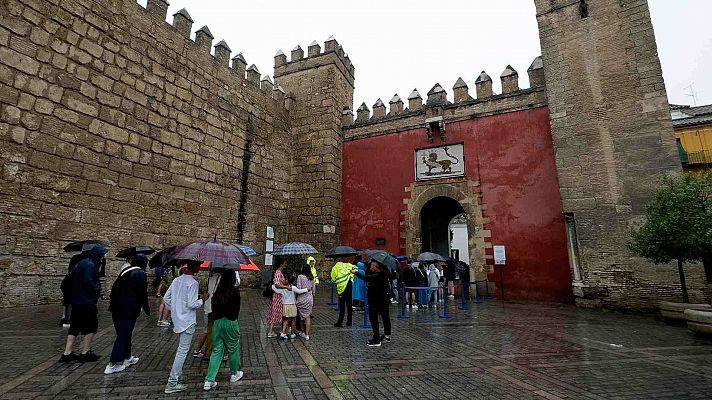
(678,224)
(294,265)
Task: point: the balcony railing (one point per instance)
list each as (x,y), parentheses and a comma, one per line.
(699,157)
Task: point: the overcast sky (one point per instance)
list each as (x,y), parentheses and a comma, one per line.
(398,45)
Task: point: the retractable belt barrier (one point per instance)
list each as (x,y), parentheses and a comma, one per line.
(444,315)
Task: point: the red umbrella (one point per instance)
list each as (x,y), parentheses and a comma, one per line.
(251,266)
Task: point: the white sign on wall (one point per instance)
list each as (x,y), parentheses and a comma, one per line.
(439,162)
(500,257)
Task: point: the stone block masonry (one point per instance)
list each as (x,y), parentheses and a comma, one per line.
(115,125)
(610,123)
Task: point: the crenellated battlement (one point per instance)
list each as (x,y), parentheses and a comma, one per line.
(437,95)
(183,23)
(333,54)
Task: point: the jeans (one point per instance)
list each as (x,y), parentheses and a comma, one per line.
(434,294)
(184,340)
(379,307)
(345,304)
(122,344)
(226,334)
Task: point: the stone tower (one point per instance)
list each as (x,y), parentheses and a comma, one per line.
(321,86)
(610,122)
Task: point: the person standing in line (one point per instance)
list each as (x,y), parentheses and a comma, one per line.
(378,293)
(129,294)
(225,305)
(276,309)
(358,294)
(85,292)
(342,276)
(305,301)
(183,301)
(433,283)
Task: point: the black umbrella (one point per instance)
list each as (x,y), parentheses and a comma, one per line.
(84,245)
(429,257)
(132,251)
(163,257)
(341,251)
(383,258)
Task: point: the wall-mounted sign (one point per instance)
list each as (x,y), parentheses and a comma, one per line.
(439,162)
(380,241)
(500,258)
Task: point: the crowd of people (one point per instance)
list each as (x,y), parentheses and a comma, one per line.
(367,281)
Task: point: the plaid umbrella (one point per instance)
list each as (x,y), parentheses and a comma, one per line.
(429,257)
(294,248)
(249,251)
(219,254)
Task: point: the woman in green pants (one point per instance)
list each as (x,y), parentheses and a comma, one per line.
(226,331)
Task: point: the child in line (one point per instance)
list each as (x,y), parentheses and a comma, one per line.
(289,304)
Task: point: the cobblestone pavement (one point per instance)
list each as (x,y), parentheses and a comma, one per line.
(493,350)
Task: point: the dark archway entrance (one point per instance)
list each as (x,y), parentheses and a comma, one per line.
(435,218)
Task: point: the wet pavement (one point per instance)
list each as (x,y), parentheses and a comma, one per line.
(493,350)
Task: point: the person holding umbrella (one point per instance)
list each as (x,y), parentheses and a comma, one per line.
(379,295)
(129,294)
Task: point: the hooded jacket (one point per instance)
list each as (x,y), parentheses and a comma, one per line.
(86,287)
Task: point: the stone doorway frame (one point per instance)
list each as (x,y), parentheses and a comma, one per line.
(465,192)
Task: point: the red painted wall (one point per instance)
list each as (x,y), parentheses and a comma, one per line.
(513,158)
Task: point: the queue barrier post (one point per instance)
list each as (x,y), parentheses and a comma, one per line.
(403,316)
(445,315)
(488,296)
(365,324)
(332,302)
(463,303)
(477,293)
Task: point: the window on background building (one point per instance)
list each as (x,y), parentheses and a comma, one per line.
(572,245)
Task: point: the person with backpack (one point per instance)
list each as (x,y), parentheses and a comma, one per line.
(85,292)
(379,300)
(129,295)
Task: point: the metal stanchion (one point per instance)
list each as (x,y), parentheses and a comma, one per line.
(365,313)
(487,293)
(445,315)
(463,304)
(332,302)
(403,316)
(477,293)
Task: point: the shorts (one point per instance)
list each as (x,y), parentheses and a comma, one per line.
(84,319)
(289,311)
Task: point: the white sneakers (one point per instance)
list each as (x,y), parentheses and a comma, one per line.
(111,368)
(163,324)
(130,361)
(238,375)
(233,378)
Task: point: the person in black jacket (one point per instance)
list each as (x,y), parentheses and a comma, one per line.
(84,293)
(379,300)
(129,295)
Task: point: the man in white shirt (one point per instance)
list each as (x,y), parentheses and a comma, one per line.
(183,300)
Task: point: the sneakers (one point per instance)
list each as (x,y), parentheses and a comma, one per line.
(271,335)
(111,368)
(415,306)
(292,336)
(198,354)
(178,387)
(283,336)
(130,361)
(163,324)
(88,357)
(373,343)
(238,375)
(209,385)
(306,337)
(385,338)
(301,334)
(68,357)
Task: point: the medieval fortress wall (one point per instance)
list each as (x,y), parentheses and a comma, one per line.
(116,125)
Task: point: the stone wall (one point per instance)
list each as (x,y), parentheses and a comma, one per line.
(613,139)
(115,125)
(321,86)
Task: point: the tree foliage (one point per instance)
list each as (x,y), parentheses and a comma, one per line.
(678,223)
